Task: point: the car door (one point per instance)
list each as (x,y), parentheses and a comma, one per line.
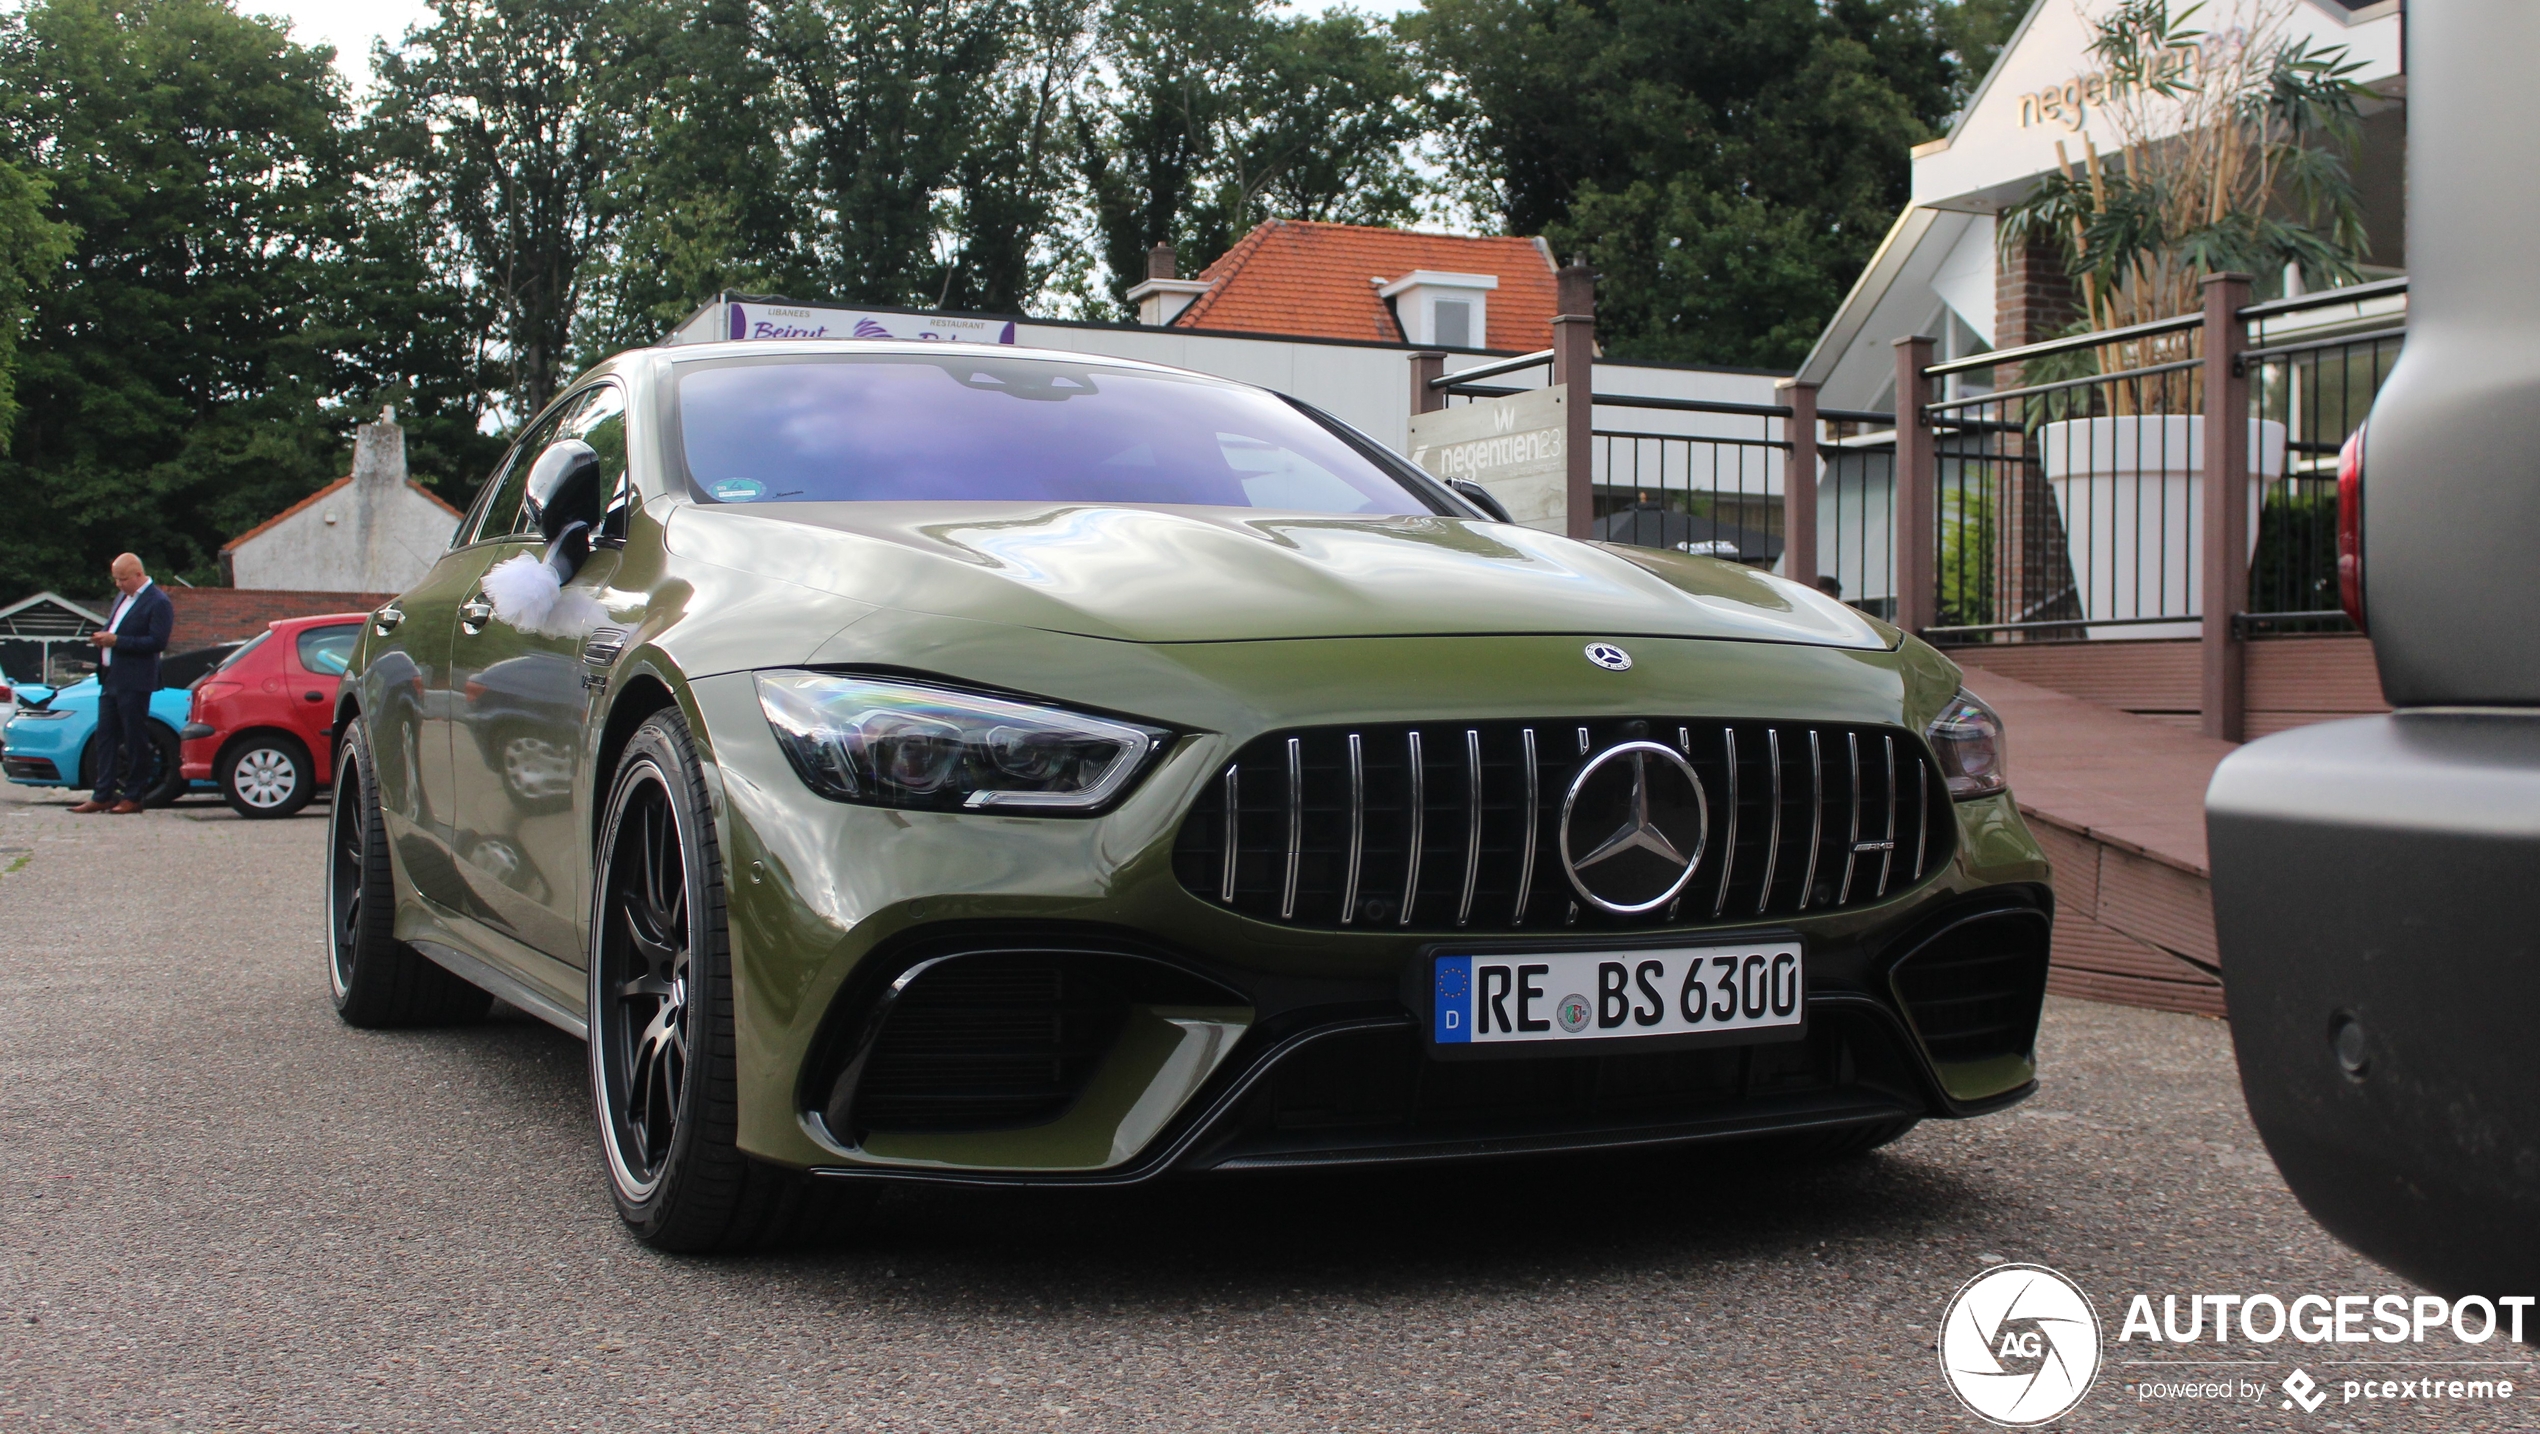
(519,712)
(407,692)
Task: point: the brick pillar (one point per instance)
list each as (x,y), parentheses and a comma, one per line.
(2032,301)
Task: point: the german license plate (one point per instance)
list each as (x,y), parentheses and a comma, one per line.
(1602,996)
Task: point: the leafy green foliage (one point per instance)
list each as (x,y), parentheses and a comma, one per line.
(168,382)
(1218,114)
(31,248)
(497,118)
(2233,158)
(1728,165)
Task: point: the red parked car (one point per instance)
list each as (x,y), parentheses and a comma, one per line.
(259,723)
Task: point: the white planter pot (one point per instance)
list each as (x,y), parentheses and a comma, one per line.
(2132,495)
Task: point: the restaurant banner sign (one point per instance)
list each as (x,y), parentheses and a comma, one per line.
(740,320)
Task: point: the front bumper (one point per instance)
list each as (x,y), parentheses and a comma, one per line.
(44,752)
(831,903)
(2370,883)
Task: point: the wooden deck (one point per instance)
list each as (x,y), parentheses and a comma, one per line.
(2118,802)
(2111,773)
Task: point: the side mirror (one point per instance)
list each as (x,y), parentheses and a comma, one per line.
(1480,497)
(563,499)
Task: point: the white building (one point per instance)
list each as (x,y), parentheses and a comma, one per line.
(1938,271)
(373,532)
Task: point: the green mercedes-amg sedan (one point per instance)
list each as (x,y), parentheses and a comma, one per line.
(947,763)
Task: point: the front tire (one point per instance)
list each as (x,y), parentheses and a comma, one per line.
(264,775)
(377,980)
(663,1086)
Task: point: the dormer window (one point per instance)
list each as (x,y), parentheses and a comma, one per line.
(1449,311)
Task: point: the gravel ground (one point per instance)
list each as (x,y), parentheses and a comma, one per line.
(223,1209)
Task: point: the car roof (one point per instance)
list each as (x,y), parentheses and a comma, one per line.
(294,624)
(822,348)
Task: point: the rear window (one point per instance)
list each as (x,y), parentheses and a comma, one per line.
(965,427)
(327,651)
(240,655)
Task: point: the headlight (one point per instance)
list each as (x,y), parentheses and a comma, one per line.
(1967,737)
(902,744)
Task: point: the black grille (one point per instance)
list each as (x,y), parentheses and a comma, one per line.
(1975,991)
(986,1043)
(1436,826)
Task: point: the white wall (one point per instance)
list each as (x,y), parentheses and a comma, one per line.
(374,532)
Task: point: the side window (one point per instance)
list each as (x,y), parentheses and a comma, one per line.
(501,513)
(603,426)
(597,417)
(327,651)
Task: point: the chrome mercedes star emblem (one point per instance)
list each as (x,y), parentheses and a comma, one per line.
(1644,863)
(1609,657)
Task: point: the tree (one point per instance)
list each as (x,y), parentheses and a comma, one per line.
(705,200)
(1218,114)
(889,98)
(1729,165)
(31,248)
(170,393)
(497,121)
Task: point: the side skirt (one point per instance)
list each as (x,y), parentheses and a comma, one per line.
(504,986)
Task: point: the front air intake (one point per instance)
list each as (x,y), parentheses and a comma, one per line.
(989,1042)
(1458,825)
(994,1035)
(1975,990)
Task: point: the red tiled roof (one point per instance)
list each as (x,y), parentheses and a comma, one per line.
(303,504)
(1294,276)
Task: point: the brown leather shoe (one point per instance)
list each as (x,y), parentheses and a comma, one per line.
(89,807)
(124,808)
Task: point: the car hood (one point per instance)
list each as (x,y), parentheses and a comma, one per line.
(1190,574)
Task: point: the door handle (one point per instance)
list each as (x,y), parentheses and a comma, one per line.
(384,621)
(474,614)
(314,696)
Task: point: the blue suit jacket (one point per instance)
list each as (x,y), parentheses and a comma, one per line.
(138,643)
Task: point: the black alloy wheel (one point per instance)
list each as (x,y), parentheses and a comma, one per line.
(647,1019)
(265,774)
(375,979)
(663,1087)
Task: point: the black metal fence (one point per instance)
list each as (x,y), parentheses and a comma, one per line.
(2068,491)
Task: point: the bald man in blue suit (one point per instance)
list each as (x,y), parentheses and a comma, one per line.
(128,650)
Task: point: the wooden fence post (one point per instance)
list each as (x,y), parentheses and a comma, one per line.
(2225,558)
(1427,365)
(1915,513)
(1799,481)
(1574,366)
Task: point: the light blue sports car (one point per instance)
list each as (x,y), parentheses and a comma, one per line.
(50,743)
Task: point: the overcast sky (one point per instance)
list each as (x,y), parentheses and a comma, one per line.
(351,25)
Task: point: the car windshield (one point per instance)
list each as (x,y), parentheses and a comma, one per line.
(990,427)
(327,651)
